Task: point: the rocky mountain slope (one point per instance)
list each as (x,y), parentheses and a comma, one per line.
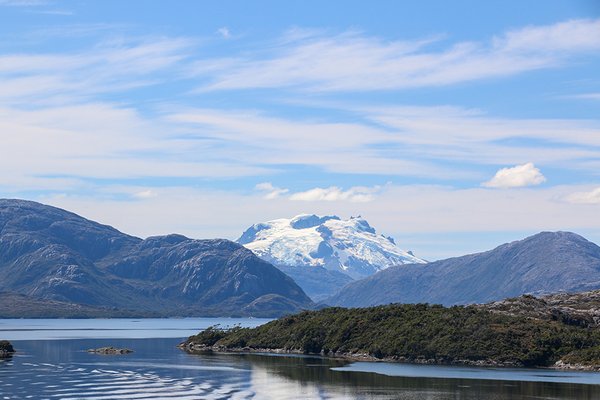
(581,309)
(548,262)
(49,253)
(316,250)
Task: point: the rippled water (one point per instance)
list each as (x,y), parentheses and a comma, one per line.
(47,368)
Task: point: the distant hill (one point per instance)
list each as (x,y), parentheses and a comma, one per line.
(324,253)
(50,254)
(548,262)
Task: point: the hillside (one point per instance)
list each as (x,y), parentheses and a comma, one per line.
(51,254)
(421,333)
(548,262)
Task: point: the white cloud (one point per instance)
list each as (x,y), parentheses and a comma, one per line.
(517,176)
(357,194)
(351,61)
(271,192)
(145,194)
(591,197)
(224,32)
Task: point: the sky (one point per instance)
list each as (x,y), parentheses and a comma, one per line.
(451,126)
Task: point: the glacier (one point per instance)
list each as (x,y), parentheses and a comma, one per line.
(349,246)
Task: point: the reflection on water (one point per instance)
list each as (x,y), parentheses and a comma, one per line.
(51,369)
(274,377)
(47,368)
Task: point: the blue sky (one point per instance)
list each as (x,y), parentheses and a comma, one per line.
(453,126)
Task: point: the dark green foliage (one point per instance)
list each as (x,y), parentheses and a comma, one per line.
(421,332)
(209,336)
(587,356)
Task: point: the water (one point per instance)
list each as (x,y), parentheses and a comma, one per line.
(52,363)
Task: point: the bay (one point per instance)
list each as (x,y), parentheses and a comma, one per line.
(52,363)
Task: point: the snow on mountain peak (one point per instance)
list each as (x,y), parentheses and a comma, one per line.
(350,246)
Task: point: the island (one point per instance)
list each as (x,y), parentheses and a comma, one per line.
(558,331)
(6,349)
(110,350)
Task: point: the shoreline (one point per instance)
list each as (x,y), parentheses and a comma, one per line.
(357,357)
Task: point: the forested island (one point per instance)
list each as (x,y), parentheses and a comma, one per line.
(557,331)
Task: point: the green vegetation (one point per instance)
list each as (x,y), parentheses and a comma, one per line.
(418,333)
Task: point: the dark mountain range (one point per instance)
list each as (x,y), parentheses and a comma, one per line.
(548,262)
(48,253)
(317,282)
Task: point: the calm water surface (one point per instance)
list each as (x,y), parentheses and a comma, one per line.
(51,363)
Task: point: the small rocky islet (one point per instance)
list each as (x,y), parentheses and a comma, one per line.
(110,350)
(6,349)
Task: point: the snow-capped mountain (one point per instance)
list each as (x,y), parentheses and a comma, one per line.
(350,246)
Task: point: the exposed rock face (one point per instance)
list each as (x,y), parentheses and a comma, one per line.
(51,254)
(579,309)
(548,262)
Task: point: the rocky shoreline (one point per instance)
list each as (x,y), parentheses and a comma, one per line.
(559,365)
(200,348)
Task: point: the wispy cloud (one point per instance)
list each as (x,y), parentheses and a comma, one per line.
(354,62)
(406,141)
(271,192)
(145,194)
(357,194)
(113,66)
(224,32)
(517,176)
(23,3)
(591,197)
(585,96)
(54,12)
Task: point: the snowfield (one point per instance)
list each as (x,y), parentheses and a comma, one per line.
(350,246)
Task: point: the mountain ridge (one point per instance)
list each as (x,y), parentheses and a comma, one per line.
(545,263)
(49,253)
